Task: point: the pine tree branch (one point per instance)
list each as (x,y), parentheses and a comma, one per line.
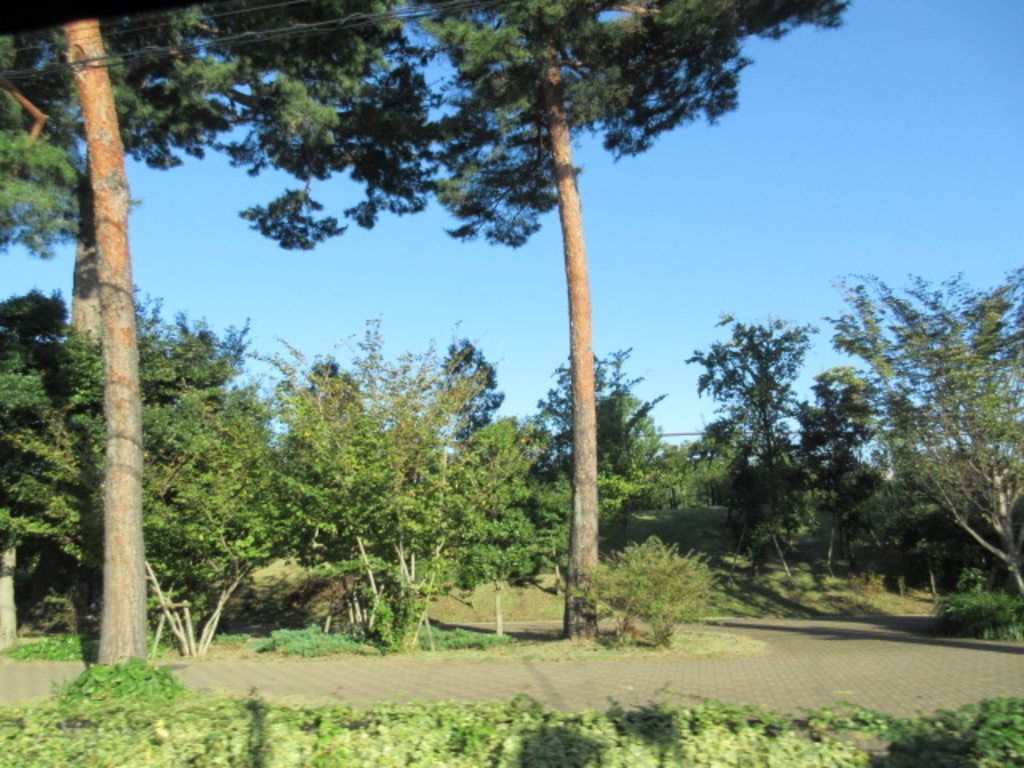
(37,114)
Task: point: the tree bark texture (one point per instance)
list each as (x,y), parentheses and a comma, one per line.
(123,618)
(580,611)
(8,611)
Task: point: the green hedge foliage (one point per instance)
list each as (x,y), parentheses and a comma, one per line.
(251,732)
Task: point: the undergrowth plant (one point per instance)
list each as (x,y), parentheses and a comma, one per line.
(985,615)
(464,639)
(134,680)
(57,648)
(312,641)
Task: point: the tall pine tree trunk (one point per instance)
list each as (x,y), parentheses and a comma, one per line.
(580,611)
(123,618)
(8,611)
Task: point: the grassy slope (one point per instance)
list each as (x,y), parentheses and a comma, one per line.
(811,591)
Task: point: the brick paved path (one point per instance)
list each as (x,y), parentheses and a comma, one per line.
(892,664)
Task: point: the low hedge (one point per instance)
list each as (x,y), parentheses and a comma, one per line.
(251,732)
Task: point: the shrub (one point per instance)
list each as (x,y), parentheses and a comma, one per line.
(652,583)
(985,615)
(57,648)
(312,641)
(134,680)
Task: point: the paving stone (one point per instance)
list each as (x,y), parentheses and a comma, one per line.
(892,664)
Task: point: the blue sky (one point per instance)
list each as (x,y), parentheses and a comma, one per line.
(893,146)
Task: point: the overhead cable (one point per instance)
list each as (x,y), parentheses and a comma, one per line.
(255,37)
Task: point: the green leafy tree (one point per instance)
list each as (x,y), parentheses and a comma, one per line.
(629,448)
(934,551)
(836,432)
(532,75)
(312,89)
(708,466)
(210,488)
(505,547)
(35,192)
(213,518)
(377,475)
(752,376)
(948,365)
(203,435)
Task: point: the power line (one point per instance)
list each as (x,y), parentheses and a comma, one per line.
(116,28)
(352,21)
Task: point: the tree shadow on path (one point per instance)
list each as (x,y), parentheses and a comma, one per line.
(916,630)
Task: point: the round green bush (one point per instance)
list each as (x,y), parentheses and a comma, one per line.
(652,583)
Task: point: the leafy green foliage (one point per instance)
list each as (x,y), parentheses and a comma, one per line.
(348,98)
(38,177)
(37,201)
(652,583)
(989,734)
(312,642)
(465,359)
(251,732)
(987,615)
(134,680)
(41,380)
(49,463)
(506,546)
(56,648)
(209,481)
